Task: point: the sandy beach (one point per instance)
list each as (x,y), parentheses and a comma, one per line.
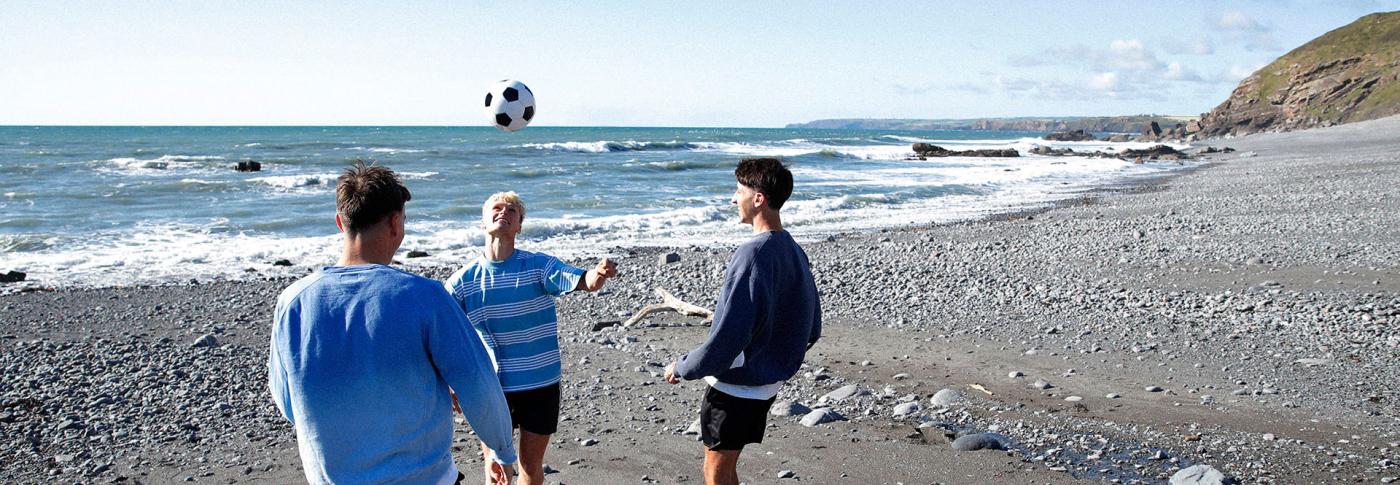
(1242,315)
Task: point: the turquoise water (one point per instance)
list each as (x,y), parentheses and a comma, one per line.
(120,205)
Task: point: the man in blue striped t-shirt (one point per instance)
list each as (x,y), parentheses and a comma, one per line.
(508,295)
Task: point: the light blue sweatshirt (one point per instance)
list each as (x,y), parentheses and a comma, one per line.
(361,362)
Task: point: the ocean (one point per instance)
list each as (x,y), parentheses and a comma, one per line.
(116,206)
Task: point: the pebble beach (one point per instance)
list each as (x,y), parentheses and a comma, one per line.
(1242,315)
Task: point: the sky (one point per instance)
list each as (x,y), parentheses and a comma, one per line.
(606,63)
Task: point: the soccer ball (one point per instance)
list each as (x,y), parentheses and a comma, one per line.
(510,104)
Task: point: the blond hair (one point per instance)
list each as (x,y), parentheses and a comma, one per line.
(509,197)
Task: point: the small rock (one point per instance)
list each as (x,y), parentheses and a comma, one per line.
(588,442)
(821,416)
(606,324)
(843,392)
(979,441)
(12,277)
(694,429)
(1112,395)
(786,474)
(1152,389)
(946,397)
(282,262)
(1014,374)
(788,408)
(206,340)
(1201,475)
(1074,399)
(667,258)
(906,409)
(1041,384)
(417,254)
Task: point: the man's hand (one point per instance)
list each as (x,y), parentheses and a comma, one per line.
(593,281)
(671,377)
(501,474)
(456,407)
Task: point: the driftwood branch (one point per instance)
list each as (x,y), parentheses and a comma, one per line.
(669,302)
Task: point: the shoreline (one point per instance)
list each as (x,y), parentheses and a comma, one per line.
(1220,286)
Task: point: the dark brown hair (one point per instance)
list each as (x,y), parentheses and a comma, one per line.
(768,176)
(365,194)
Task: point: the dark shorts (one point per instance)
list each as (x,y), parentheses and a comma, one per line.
(728,422)
(535,410)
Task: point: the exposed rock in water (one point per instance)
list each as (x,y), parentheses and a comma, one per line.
(1157,152)
(417,254)
(1076,135)
(12,277)
(248,166)
(925,150)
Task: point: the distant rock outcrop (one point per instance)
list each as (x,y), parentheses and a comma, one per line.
(1076,135)
(1095,124)
(1349,74)
(925,150)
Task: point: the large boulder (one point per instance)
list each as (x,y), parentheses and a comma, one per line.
(1076,135)
(248,166)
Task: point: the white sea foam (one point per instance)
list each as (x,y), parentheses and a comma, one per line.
(314,180)
(164,162)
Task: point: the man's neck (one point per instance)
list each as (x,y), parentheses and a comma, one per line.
(765,222)
(359,251)
(498,248)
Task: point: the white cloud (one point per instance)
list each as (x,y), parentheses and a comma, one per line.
(1200,46)
(1238,21)
(1104,81)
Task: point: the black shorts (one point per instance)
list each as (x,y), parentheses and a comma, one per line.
(728,422)
(535,410)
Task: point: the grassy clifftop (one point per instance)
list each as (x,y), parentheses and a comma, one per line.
(1349,74)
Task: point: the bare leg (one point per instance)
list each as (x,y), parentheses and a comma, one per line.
(722,467)
(532,447)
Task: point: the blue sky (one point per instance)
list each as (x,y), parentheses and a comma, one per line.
(634,63)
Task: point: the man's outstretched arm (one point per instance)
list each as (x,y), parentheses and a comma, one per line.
(594,279)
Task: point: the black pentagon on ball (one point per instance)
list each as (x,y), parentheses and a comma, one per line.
(510,94)
(488,100)
(529,112)
(503,119)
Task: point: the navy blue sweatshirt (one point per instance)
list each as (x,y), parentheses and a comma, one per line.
(768,310)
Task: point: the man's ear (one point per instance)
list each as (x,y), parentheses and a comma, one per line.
(338,223)
(396,223)
(760,200)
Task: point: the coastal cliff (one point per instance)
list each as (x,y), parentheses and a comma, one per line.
(1093,124)
(1346,75)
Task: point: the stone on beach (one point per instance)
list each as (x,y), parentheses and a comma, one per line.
(1201,475)
(788,408)
(821,416)
(946,397)
(979,441)
(668,258)
(906,409)
(842,393)
(206,340)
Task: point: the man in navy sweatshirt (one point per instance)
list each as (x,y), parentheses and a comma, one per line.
(767,316)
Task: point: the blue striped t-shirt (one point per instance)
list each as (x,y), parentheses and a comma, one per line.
(511,305)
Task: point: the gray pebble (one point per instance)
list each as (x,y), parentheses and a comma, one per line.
(979,441)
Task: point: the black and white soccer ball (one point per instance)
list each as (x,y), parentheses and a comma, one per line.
(510,104)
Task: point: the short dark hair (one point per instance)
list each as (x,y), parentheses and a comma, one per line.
(768,176)
(365,194)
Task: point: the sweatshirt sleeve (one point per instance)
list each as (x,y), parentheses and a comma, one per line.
(462,360)
(276,370)
(816,322)
(736,313)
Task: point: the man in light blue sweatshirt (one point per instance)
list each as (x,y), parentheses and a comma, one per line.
(767,316)
(364,357)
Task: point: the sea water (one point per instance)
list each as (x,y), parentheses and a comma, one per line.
(100,206)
